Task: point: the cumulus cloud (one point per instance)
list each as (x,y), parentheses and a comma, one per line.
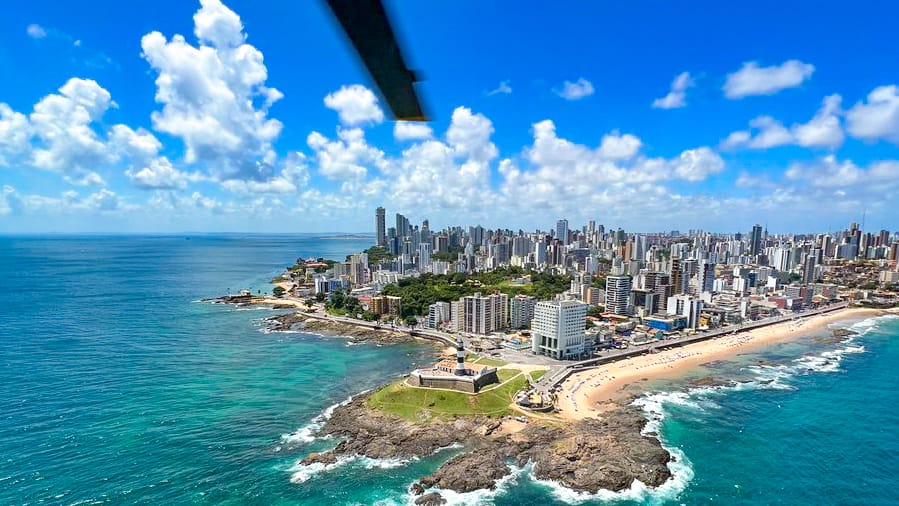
(410,130)
(564,175)
(877,117)
(752,79)
(161,174)
(36,31)
(880,178)
(677,97)
(213,95)
(619,147)
(62,123)
(293,177)
(503,89)
(355,105)
(15,134)
(347,157)
(101,201)
(576,90)
(823,130)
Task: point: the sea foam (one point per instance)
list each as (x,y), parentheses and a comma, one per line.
(307,433)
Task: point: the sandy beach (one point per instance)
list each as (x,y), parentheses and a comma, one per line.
(590,393)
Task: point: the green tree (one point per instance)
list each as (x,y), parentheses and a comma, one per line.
(278,291)
(309,303)
(411,321)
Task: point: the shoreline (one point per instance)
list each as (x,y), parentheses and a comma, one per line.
(593,392)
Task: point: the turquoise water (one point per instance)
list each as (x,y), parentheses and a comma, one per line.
(117,387)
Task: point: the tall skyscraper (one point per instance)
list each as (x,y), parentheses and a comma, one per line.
(402,226)
(380,230)
(562,231)
(755,240)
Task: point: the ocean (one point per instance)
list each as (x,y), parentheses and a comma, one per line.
(117,386)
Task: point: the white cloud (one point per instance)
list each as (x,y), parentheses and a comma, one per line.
(576,90)
(568,176)
(619,147)
(503,88)
(214,95)
(161,174)
(346,157)
(823,130)
(36,31)
(878,179)
(677,97)
(62,122)
(294,176)
(754,80)
(15,134)
(410,130)
(101,201)
(140,146)
(355,105)
(876,118)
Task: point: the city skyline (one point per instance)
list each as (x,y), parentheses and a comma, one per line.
(206,119)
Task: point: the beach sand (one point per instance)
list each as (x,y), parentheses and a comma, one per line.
(590,393)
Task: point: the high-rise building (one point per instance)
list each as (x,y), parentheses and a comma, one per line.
(380,231)
(811,263)
(438,313)
(558,328)
(402,226)
(424,257)
(618,294)
(521,310)
(755,240)
(485,314)
(562,231)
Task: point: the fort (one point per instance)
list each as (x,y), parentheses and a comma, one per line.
(459,375)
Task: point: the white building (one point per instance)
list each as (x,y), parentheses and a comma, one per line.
(485,314)
(618,294)
(558,328)
(438,313)
(521,311)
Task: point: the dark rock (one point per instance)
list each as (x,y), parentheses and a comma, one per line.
(432,499)
(708,381)
(470,471)
(417,489)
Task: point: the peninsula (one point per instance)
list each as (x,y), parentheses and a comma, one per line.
(547,337)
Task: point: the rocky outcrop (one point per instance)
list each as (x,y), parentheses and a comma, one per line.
(432,499)
(588,455)
(300,321)
(600,454)
(476,470)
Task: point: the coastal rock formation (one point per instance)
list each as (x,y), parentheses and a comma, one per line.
(456,474)
(299,321)
(588,455)
(432,499)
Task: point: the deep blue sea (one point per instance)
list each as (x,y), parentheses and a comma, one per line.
(117,387)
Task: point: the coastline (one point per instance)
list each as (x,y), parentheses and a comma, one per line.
(593,392)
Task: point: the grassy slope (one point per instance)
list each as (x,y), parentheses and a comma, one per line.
(422,404)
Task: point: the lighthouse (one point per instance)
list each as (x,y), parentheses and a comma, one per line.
(460,358)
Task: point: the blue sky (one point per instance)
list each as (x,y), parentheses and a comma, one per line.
(643,115)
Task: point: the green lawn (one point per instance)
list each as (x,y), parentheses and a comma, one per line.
(422,404)
(506,374)
(479,359)
(536,375)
